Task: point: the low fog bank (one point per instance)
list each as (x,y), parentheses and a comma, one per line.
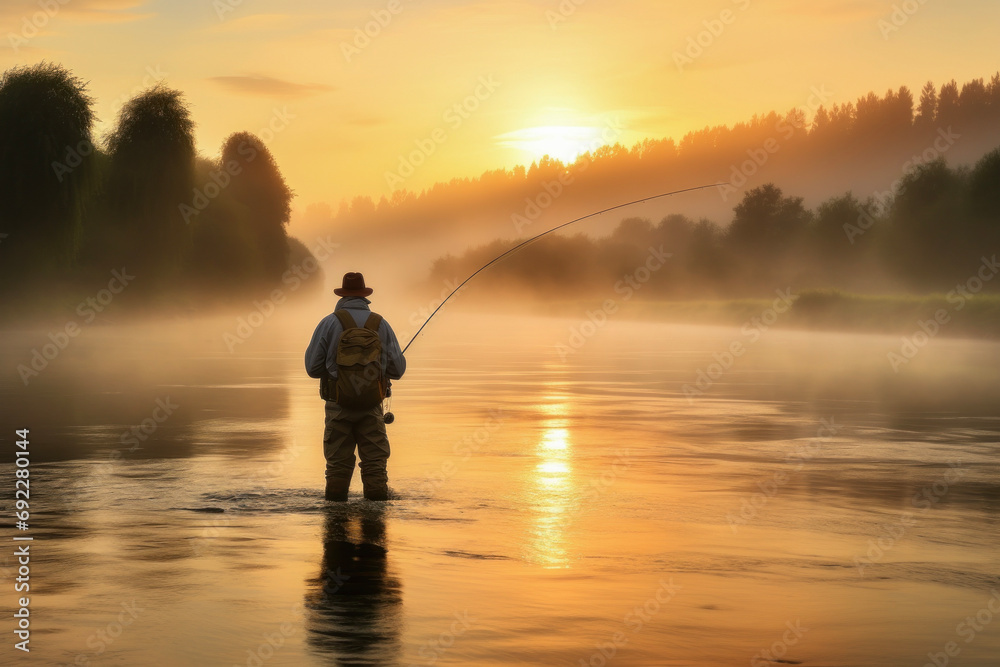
(235,397)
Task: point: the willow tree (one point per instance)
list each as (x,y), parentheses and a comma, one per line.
(260,189)
(46,160)
(152,155)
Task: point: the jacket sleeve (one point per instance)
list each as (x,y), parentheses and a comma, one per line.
(317,351)
(395,362)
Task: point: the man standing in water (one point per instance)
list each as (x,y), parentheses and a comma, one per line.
(347,427)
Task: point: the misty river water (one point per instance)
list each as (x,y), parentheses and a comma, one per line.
(559,500)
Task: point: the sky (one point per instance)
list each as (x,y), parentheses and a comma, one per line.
(368,97)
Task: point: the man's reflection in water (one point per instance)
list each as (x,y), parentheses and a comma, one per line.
(355,606)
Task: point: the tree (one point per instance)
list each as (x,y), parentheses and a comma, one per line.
(266,199)
(974,100)
(46,159)
(766,222)
(821,121)
(636,231)
(927,112)
(840,230)
(928,239)
(993,90)
(152,176)
(984,197)
(948,108)
(901,110)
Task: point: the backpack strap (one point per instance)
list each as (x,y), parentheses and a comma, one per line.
(374,322)
(346,320)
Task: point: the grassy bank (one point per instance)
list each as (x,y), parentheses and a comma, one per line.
(826,310)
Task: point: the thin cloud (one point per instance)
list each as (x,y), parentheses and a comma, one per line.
(267,86)
(79,11)
(367,121)
(835,10)
(259,23)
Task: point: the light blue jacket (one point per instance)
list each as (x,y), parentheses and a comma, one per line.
(321,355)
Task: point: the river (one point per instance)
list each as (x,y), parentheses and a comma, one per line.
(565,494)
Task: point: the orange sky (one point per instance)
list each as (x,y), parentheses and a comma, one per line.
(527,77)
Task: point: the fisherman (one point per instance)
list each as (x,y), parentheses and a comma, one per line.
(348,422)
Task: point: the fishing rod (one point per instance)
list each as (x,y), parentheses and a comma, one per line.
(389,417)
(545,233)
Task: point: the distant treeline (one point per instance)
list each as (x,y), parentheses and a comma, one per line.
(72,209)
(932,236)
(865,145)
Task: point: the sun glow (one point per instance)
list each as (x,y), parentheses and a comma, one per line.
(562,142)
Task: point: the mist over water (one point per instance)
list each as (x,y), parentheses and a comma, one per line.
(550,506)
(729,398)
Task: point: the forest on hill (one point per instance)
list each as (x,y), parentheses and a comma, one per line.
(867,146)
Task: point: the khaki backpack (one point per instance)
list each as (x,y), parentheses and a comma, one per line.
(361,385)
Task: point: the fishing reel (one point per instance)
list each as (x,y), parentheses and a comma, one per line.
(387,416)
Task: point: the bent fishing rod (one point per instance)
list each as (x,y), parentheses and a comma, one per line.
(389,417)
(546,233)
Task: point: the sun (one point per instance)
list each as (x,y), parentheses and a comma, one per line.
(562,142)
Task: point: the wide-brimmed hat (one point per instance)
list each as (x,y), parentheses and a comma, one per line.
(354,285)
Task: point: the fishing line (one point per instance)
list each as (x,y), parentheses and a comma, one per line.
(538,236)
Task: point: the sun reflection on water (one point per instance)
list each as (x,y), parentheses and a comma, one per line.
(552,492)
